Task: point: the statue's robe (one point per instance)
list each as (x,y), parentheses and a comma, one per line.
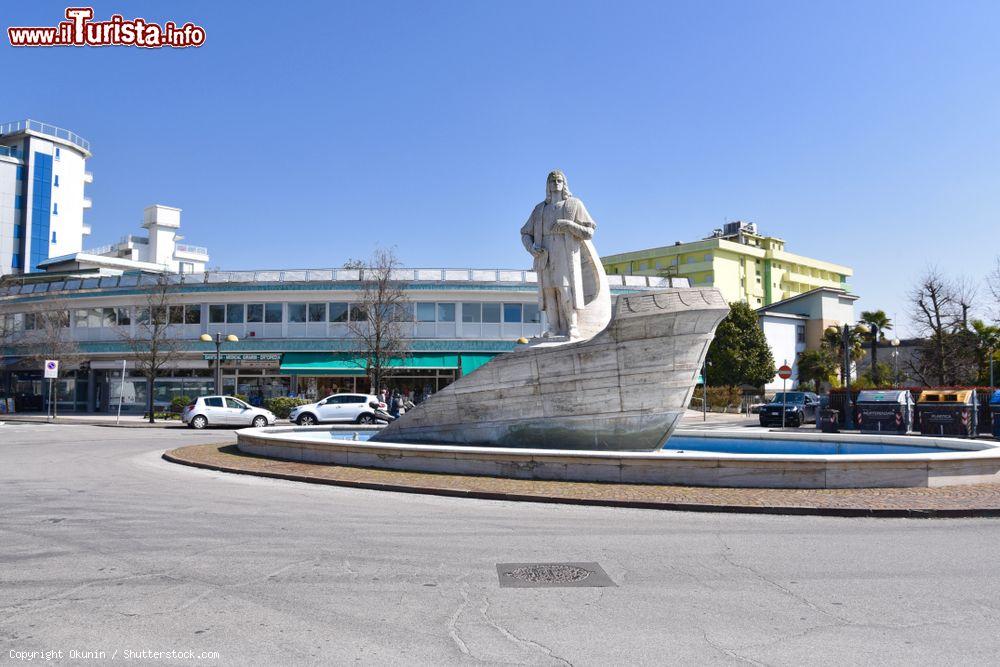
(570,263)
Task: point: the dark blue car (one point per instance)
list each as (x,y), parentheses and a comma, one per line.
(800,407)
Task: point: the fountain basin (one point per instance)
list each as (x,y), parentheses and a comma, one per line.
(938,462)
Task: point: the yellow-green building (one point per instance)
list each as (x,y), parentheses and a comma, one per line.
(744,264)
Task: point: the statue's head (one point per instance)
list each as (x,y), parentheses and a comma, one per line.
(556,186)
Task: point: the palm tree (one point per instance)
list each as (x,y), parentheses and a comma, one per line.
(833,341)
(878,323)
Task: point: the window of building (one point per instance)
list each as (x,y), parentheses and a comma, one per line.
(317,312)
(272,313)
(403,312)
(512,312)
(491,313)
(446,312)
(235,313)
(216,314)
(192,314)
(642,266)
(175,315)
(425,312)
(186,267)
(18,202)
(57,153)
(472,313)
(358,313)
(124,316)
(800,333)
(55,208)
(338,312)
(296,312)
(255,312)
(142,316)
(532,314)
(55,181)
(53,237)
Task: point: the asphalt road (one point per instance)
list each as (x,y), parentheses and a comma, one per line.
(105,547)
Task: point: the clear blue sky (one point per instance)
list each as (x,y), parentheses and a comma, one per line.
(303,133)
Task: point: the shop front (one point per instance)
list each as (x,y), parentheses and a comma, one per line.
(315,375)
(253,375)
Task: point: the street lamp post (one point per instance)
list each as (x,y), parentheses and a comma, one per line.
(845,333)
(218,340)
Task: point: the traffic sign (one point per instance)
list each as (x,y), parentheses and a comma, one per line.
(785,372)
(51,369)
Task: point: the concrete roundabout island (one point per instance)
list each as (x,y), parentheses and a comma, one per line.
(941,461)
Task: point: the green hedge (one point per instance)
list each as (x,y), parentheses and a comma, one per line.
(178,403)
(281,406)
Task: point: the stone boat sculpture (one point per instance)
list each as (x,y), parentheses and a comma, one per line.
(596,380)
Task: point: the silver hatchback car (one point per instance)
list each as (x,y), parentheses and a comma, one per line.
(225,411)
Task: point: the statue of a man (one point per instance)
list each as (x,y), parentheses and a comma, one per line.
(558,234)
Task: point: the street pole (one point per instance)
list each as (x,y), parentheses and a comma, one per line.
(218,362)
(849,416)
(121,394)
(784,398)
(704,390)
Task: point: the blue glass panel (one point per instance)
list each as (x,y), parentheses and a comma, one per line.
(40,200)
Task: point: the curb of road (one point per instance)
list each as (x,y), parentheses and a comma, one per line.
(14,419)
(869,512)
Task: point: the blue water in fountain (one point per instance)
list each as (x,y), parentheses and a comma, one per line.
(775,446)
(726,445)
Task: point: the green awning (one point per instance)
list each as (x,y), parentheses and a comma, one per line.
(332,363)
(471,362)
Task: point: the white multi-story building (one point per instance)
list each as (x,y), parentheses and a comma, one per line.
(42,177)
(157,251)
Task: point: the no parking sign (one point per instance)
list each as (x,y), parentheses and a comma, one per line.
(51,369)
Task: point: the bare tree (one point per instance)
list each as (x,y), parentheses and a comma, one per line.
(993,282)
(378,315)
(151,341)
(940,311)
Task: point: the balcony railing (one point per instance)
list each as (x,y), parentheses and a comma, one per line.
(15,285)
(44,128)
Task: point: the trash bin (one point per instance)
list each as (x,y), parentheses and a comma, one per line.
(827,421)
(948,412)
(884,411)
(995,413)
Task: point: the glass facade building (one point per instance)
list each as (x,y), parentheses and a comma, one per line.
(294,329)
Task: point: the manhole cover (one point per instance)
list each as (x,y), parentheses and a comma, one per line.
(538,575)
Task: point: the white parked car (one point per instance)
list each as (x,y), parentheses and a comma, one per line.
(358,408)
(225,411)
